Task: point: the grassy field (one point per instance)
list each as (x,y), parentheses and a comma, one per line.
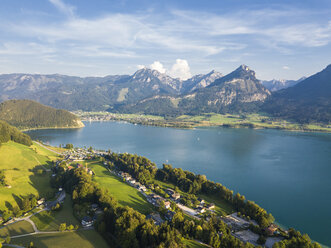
(18,228)
(123,193)
(80,238)
(194,244)
(50,220)
(18,161)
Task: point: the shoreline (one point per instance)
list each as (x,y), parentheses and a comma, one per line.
(201,125)
(41,128)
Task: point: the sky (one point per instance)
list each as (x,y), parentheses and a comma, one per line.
(279,39)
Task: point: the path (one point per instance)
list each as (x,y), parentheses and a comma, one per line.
(49,149)
(41,164)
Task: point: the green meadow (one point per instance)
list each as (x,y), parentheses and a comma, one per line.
(80,238)
(123,193)
(20,163)
(18,228)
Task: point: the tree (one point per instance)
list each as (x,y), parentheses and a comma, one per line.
(62,227)
(69,146)
(2,178)
(70,228)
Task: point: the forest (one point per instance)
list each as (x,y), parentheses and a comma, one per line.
(10,133)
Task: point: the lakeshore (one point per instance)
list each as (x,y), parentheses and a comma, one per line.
(242,159)
(254,121)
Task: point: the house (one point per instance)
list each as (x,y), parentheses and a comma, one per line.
(271,229)
(167,204)
(142,188)
(87,221)
(201,210)
(41,201)
(175,196)
(201,201)
(132,181)
(156,218)
(211,206)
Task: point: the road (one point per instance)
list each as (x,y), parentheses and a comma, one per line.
(48,148)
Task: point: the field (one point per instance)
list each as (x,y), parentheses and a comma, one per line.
(18,161)
(80,238)
(123,193)
(194,244)
(18,228)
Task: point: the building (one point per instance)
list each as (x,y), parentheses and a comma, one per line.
(167,204)
(211,206)
(201,210)
(41,201)
(87,221)
(156,218)
(175,196)
(201,201)
(271,229)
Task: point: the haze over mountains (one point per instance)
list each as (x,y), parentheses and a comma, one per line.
(151,92)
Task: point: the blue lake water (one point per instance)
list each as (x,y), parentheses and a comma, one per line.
(287,173)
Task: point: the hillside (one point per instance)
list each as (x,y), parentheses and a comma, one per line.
(308,101)
(10,133)
(29,114)
(236,92)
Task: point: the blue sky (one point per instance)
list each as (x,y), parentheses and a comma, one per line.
(277,39)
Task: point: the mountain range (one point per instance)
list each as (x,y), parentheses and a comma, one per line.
(275,84)
(151,92)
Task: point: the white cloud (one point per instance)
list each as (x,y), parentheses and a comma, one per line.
(180,69)
(141,67)
(63,7)
(157,66)
(285,67)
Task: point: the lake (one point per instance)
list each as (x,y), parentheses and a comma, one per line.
(287,173)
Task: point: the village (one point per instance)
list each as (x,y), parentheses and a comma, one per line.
(74,158)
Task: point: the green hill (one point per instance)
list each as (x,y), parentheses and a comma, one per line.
(9,133)
(26,114)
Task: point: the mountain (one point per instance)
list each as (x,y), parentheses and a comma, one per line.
(200,81)
(236,92)
(8,132)
(30,114)
(60,91)
(307,101)
(275,85)
(97,93)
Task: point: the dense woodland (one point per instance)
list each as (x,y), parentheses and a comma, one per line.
(30,114)
(9,133)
